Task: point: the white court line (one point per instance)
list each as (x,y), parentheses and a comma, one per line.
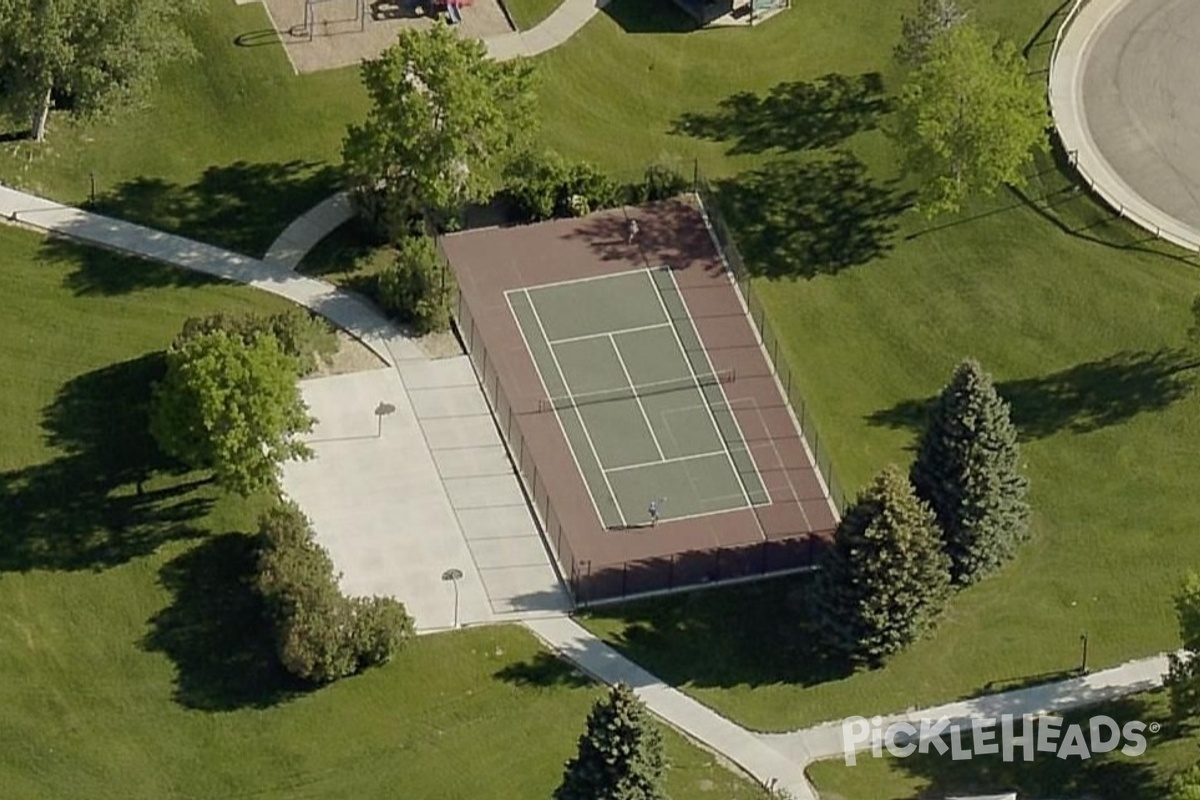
(578,416)
(546,391)
(579,280)
(762,346)
(696,381)
(725,397)
(637,398)
(567,339)
(674,460)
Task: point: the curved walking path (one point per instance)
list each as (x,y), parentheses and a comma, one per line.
(1122,92)
(563,23)
(308,229)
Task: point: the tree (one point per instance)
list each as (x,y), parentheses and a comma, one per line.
(1185,785)
(1183,675)
(443,120)
(230,405)
(620,753)
(320,634)
(301,334)
(933,18)
(884,579)
(969,118)
(90,56)
(968,468)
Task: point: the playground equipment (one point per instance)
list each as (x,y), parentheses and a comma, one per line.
(453,9)
(310,15)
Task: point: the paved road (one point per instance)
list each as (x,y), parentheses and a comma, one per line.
(1123,93)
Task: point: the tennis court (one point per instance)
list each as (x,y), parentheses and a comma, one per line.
(639,403)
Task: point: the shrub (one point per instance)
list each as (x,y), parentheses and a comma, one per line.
(301,334)
(416,288)
(659,182)
(320,635)
(544,186)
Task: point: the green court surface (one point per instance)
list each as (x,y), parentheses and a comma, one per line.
(642,410)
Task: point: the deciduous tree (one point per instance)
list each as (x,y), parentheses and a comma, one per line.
(620,754)
(969,118)
(884,579)
(1185,785)
(1183,677)
(968,468)
(230,405)
(443,120)
(917,32)
(92,55)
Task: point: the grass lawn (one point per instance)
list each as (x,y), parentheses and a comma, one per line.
(232,148)
(1082,321)
(1109,776)
(132,661)
(527,13)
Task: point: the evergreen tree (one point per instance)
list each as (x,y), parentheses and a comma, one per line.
(620,754)
(885,578)
(968,470)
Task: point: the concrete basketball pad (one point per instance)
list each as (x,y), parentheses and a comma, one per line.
(397,510)
(1140,101)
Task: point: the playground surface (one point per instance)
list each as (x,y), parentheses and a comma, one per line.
(328,34)
(624,374)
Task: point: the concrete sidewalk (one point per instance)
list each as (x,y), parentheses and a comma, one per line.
(825,741)
(765,763)
(304,232)
(394,508)
(561,25)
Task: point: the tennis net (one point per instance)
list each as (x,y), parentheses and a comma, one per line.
(629,392)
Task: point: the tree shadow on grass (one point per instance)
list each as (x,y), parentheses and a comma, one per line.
(799,218)
(750,635)
(83,509)
(242,206)
(105,272)
(216,631)
(1080,399)
(1104,775)
(792,116)
(544,669)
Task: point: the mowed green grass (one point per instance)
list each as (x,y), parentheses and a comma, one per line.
(528,13)
(232,147)
(133,661)
(1107,776)
(1081,320)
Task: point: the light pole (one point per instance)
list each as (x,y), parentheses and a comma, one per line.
(381,411)
(453,575)
(1083,639)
